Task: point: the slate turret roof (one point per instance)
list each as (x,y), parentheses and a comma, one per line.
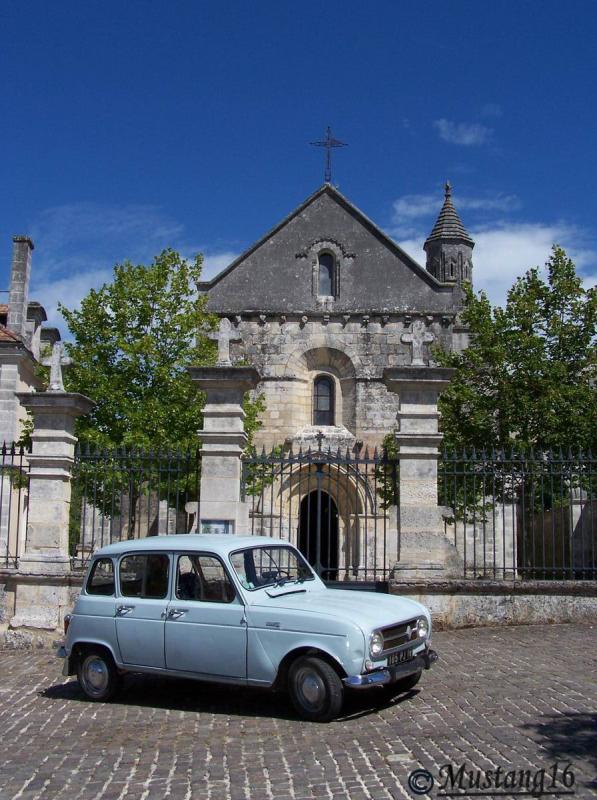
(448,224)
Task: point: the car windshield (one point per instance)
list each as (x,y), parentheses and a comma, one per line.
(257,567)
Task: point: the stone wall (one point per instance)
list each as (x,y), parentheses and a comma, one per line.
(461,604)
(290,351)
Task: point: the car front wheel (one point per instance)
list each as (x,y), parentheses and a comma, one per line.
(315,689)
(98,676)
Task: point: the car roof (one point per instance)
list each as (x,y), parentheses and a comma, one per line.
(222,544)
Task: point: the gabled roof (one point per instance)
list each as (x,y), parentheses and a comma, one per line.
(448,224)
(327,188)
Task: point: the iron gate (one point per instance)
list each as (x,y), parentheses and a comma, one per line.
(338,508)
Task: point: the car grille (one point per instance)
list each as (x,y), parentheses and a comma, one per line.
(397,635)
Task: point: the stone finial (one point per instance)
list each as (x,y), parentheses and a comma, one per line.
(55,361)
(447,190)
(223,336)
(417,338)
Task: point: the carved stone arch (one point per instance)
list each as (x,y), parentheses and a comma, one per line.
(320,359)
(341,258)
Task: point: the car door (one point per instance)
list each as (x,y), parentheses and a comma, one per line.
(141,608)
(206,630)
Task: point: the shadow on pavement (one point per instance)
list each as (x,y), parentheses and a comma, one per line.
(568,737)
(196,697)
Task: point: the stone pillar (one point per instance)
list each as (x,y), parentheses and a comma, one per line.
(425,552)
(18,297)
(44,568)
(224,440)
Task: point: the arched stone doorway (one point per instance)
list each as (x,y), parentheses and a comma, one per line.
(318,533)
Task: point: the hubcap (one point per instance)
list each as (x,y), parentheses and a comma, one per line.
(95,673)
(311,688)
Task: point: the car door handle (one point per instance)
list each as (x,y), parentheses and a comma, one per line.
(122,611)
(175,613)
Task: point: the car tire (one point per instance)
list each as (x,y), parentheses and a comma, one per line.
(97,675)
(315,689)
(403,685)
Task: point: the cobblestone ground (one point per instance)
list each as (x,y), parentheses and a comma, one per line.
(517,698)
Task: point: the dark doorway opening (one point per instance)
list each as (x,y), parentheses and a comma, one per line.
(318,533)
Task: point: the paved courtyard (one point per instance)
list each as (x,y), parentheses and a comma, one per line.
(516,698)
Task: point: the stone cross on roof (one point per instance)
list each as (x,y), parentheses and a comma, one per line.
(55,361)
(418,337)
(223,336)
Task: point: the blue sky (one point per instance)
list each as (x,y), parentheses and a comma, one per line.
(128,127)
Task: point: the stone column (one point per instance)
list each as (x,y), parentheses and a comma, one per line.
(18,297)
(44,568)
(224,440)
(425,552)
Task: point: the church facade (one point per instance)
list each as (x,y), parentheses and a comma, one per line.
(324,302)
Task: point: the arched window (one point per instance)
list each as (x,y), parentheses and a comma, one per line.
(323,401)
(326,275)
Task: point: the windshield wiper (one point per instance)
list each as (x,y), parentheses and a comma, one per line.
(284,594)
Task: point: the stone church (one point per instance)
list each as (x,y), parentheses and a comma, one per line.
(324,302)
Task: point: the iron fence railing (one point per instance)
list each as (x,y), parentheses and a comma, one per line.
(522,515)
(14,495)
(129,493)
(339,508)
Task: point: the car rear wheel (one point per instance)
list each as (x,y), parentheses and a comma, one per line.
(315,689)
(98,676)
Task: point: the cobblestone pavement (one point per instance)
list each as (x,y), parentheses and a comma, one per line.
(517,698)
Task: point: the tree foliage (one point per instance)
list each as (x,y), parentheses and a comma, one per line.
(132,342)
(528,377)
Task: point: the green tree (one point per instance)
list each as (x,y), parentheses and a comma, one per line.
(132,342)
(528,377)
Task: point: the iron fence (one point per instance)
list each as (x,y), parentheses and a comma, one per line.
(14,495)
(129,493)
(339,508)
(522,515)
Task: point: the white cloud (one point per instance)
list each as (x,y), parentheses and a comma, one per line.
(68,291)
(410,209)
(214,263)
(465,133)
(504,251)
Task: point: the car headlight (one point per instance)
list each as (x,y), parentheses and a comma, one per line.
(422,627)
(376,643)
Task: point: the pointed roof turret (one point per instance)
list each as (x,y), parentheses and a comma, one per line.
(449,224)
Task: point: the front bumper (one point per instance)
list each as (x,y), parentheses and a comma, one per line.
(386,675)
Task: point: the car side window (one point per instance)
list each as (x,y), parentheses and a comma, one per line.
(144,576)
(101,578)
(203,578)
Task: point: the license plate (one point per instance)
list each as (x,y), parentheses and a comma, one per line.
(400,658)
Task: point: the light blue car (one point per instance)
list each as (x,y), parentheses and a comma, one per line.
(247,610)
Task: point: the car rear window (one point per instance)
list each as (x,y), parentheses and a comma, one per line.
(144,576)
(101,578)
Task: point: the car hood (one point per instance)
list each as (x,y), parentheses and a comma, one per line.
(367,609)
